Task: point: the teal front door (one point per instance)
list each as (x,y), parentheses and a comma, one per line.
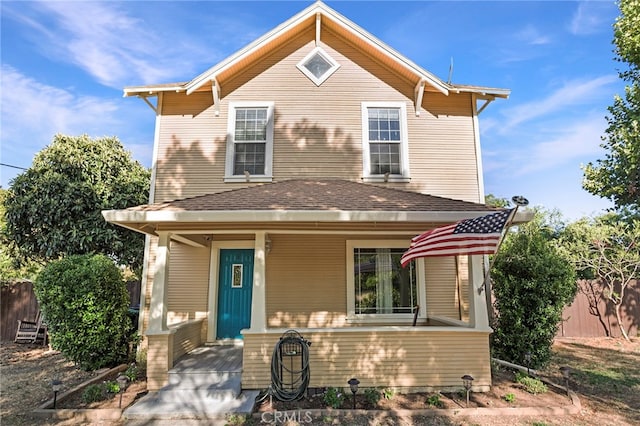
(235,285)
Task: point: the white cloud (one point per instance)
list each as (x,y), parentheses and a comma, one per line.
(578,140)
(107,43)
(531,36)
(130,43)
(575,92)
(591,17)
(569,144)
(111,45)
(33,112)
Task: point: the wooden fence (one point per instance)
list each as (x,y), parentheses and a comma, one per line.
(18,302)
(591,316)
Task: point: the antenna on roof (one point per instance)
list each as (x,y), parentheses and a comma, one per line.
(450,71)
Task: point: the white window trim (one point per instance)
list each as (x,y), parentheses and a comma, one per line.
(326,57)
(404,175)
(352,317)
(268,154)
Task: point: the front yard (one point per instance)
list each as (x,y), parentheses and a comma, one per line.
(605,375)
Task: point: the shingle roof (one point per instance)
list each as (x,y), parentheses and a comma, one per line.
(316,195)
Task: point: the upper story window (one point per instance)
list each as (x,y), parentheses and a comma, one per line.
(318,66)
(385,151)
(249,142)
(378,287)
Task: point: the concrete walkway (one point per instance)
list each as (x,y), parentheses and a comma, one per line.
(203,385)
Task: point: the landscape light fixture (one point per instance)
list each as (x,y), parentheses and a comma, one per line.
(122,384)
(565,371)
(56,385)
(467,381)
(353,385)
(527,359)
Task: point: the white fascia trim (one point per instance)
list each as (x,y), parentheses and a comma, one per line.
(150,90)
(483,92)
(230,216)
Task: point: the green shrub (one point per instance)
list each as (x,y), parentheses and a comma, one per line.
(372,396)
(112,386)
(434,401)
(510,398)
(531,384)
(132,372)
(532,282)
(334,397)
(85,302)
(388,393)
(94,393)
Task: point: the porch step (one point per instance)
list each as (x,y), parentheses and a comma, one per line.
(204,384)
(188,404)
(222,382)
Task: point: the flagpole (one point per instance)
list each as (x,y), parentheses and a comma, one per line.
(518,200)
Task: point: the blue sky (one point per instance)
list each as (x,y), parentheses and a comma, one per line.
(64,65)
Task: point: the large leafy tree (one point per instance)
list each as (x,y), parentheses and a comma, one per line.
(606,253)
(9,271)
(53,209)
(617,176)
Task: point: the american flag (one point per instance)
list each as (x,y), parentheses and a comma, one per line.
(480,235)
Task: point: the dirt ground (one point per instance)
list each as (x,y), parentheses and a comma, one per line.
(608,396)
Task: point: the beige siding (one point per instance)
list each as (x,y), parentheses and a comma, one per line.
(317,129)
(189,283)
(306,281)
(443,292)
(415,358)
(186,338)
(159,360)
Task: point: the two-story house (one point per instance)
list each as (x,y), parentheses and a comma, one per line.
(288,180)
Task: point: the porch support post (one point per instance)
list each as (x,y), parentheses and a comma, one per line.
(258,305)
(158,307)
(477,303)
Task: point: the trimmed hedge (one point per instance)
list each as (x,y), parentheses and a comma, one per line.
(85,302)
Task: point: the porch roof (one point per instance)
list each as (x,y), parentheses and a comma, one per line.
(298,201)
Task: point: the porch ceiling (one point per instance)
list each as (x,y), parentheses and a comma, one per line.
(298,205)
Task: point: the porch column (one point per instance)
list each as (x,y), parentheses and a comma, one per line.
(258,305)
(477,303)
(158,307)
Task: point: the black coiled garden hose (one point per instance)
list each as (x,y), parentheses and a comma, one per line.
(290,345)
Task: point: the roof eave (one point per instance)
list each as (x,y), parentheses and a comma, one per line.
(139,220)
(152,90)
(483,92)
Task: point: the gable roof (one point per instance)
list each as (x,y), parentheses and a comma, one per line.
(301,201)
(322,17)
